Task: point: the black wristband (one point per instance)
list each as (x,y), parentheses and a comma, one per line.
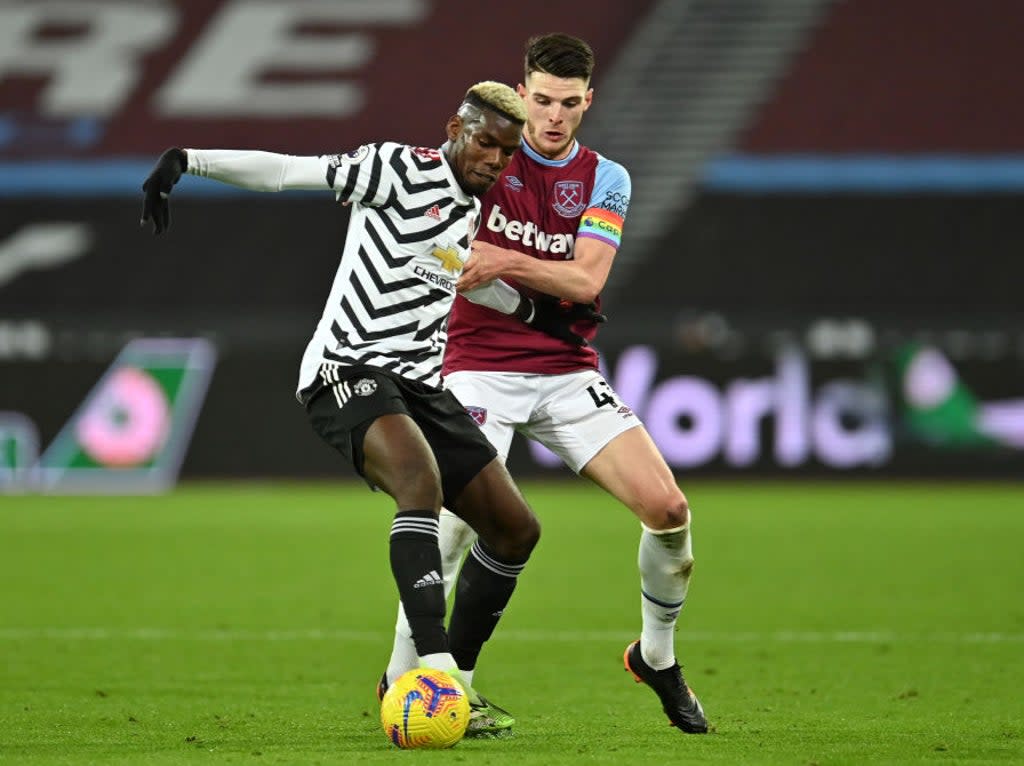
(526,309)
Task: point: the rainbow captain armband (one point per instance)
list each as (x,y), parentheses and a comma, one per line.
(601,224)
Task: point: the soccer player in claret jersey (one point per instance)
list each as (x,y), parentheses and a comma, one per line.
(552,225)
(370,376)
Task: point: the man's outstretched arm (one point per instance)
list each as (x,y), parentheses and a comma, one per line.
(253,170)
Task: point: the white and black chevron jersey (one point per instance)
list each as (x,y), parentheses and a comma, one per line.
(408,236)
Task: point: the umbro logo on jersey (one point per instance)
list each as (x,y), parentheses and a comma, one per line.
(430,578)
(513,183)
(434,212)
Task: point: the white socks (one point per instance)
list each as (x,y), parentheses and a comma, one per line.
(440,661)
(403,653)
(665,560)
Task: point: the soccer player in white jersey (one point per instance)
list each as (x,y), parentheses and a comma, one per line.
(552,224)
(370,376)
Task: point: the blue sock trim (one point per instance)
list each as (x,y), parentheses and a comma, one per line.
(659,602)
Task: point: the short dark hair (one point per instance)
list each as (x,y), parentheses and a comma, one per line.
(559,55)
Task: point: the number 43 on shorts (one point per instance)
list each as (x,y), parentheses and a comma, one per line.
(601,394)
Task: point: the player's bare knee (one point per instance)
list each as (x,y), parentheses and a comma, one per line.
(669,513)
(526,537)
(517,543)
(532,533)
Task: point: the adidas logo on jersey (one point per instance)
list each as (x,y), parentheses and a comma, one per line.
(529,234)
(434,212)
(430,578)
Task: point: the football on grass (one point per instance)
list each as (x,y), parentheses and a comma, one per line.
(424,708)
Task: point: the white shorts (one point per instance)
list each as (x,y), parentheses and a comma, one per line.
(574,414)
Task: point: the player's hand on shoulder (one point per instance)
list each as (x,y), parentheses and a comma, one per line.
(157,188)
(556,318)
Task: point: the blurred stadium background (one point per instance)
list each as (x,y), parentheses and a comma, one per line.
(820,280)
(821,270)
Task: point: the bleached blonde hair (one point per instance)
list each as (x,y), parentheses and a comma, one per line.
(496,96)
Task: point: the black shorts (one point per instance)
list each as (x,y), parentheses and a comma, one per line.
(345,401)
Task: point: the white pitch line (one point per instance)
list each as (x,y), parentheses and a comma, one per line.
(566,636)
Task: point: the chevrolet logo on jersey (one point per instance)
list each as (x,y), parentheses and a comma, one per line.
(449,259)
(434,279)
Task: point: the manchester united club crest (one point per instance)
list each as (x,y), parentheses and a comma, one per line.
(364,386)
(479,414)
(569,201)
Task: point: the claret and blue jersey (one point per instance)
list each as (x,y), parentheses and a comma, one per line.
(539,207)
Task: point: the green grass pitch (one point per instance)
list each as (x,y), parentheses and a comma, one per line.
(827,623)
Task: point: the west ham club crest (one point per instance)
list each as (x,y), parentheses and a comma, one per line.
(479,414)
(569,201)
